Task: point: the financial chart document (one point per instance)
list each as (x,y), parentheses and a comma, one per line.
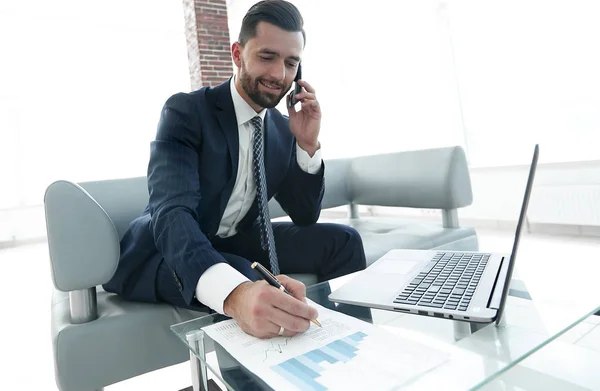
(345,354)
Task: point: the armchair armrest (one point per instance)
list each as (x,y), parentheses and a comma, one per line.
(83,241)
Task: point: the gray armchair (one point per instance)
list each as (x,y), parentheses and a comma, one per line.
(100,339)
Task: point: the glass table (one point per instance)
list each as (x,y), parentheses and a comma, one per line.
(539,309)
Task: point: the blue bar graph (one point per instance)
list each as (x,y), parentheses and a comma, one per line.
(301,369)
(299,381)
(304,370)
(343,348)
(334,353)
(318,356)
(350,341)
(358,336)
(310,363)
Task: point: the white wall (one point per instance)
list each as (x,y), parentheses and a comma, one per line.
(563,193)
(81,88)
(527,72)
(498,195)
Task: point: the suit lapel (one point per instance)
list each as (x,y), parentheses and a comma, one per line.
(228,122)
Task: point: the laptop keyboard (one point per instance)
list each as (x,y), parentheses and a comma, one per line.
(448,281)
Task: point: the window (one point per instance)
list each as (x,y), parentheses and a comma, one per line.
(528,73)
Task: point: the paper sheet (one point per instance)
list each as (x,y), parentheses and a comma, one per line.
(345,354)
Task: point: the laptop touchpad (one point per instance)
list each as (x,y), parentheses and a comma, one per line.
(394,267)
(400,262)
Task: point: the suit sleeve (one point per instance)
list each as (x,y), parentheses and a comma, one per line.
(174,189)
(301,193)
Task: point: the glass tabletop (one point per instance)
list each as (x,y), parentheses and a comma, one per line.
(541,306)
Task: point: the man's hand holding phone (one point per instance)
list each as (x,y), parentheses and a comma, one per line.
(306,123)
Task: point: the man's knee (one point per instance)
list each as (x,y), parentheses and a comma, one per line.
(355,244)
(355,238)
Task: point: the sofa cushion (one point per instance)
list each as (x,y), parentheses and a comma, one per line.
(122,343)
(381,234)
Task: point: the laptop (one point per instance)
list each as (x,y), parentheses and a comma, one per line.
(459,285)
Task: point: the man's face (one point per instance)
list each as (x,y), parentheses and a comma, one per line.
(268,64)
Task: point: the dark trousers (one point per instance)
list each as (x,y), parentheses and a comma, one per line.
(327,250)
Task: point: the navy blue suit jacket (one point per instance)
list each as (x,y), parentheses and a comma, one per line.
(191,174)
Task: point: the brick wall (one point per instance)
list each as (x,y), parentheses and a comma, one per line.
(207,36)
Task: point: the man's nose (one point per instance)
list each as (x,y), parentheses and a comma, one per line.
(277,72)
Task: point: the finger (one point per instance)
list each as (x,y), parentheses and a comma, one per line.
(293,306)
(291,110)
(262,329)
(272,331)
(289,322)
(308,87)
(305,95)
(312,107)
(313,104)
(295,287)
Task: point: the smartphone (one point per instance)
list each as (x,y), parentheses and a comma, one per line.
(297,88)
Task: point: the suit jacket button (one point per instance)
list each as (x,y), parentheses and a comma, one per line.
(178,281)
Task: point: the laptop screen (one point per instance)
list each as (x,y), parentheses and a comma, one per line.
(513,254)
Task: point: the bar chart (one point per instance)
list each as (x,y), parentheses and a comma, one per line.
(304,370)
(344,354)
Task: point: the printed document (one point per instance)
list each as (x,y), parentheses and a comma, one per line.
(345,354)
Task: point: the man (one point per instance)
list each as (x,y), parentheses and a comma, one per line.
(207,221)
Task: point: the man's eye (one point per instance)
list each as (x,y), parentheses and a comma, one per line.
(291,65)
(266,58)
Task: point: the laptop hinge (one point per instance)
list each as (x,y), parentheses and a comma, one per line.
(496,297)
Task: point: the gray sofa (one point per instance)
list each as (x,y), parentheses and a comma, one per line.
(100,339)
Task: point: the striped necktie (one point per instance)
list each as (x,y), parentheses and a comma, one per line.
(267,241)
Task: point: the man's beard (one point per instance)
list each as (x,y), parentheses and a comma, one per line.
(261,98)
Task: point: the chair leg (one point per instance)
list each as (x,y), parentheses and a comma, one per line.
(450,218)
(353,211)
(199,374)
(83,305)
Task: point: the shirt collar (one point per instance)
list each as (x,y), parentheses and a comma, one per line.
(243,111)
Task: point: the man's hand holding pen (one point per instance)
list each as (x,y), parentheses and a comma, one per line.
(264,311)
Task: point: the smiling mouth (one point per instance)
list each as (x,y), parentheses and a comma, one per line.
(274,87)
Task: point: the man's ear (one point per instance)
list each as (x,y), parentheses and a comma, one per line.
(236,54)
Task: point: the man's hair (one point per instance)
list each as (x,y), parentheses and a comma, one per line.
(280,13)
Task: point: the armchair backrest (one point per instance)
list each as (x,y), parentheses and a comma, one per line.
(337,189)
(429,178)
(123,200)
(436,178)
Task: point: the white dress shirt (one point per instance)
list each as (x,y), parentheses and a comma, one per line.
(219,280)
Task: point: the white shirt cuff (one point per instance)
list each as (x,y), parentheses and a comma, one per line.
(308,164)
(216,283)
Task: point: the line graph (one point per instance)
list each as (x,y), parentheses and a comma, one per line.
(276,347)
